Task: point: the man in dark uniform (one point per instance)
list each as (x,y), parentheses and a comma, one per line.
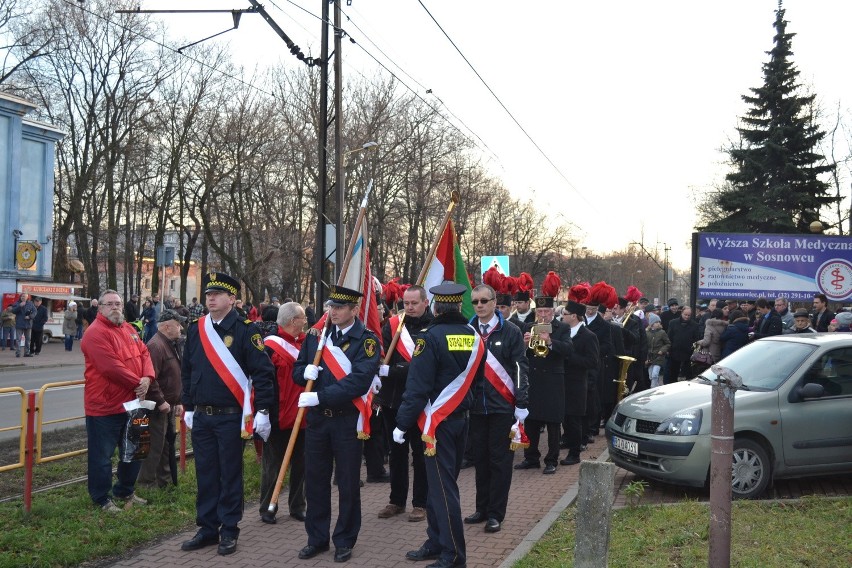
(547,388)
(581,367)
(635,342)
(601,328)
(394,375)
(445,362)
(499,398)
(222,353)
(350,360)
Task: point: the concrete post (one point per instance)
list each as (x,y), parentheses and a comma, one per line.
(594,514)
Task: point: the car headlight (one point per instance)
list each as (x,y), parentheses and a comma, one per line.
(684,423)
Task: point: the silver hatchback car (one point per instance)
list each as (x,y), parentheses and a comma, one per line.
(792,419)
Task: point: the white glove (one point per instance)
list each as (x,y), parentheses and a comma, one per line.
(262,427)
(308,399)
(521,414)
(384,370)
(187,418)
(398,436)
(312,372)
(376,385)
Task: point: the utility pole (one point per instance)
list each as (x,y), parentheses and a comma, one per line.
(322,218)
(339,182)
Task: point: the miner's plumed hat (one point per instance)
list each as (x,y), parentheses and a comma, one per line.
(220,282)
(544,302)
(504,299)
(341,296)
(448,293)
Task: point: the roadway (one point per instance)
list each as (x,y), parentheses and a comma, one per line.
(58,403)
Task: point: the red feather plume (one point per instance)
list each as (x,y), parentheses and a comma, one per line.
(510,284)
(580,292)
(525,282)
(493,278)
(603,293)
(393,291)
(551,285)
(633,294)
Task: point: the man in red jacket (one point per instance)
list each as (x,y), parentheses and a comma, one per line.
(118,369)
(283,347)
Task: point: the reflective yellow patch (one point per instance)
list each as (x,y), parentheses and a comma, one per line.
(228,340)
(460,342)
(258,341)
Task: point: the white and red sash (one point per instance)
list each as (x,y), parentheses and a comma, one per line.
(335,360)
(228,370)
(449,399)
(499,378)
(405,344)
(283,347)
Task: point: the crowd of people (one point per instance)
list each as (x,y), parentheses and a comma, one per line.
(451,391)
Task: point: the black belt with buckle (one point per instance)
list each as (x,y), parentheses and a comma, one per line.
(333,412)
(216,410)
(457,415)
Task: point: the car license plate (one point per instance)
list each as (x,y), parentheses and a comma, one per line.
(625,446)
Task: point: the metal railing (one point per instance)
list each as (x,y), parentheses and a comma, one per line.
(21,427)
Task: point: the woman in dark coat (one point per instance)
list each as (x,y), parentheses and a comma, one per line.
(736,334)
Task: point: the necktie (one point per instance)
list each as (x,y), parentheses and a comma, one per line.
(484,327)
(336,336)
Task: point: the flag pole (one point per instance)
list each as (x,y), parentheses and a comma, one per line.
(454,199)
(294,433)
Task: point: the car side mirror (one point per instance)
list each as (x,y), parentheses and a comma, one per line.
(811,390)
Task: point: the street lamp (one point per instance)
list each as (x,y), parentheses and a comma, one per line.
(341,200)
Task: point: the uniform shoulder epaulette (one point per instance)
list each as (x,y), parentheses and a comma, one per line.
(248,321)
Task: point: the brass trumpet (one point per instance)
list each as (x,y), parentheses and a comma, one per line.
(537,344)
(622,376)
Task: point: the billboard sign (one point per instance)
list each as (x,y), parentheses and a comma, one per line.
(795,266)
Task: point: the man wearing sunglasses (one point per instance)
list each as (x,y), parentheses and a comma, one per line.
(499,398)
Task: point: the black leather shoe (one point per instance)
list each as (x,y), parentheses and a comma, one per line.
(383,478)
(342,553)
(227,545)
(570,460)
(477,517)
(549,470)
(199,541)
(492,526)
(310,551)
(268,518)
(422,553)
(528,464)
(298,515)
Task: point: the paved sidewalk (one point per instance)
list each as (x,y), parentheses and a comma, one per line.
(52,354)
(383,542)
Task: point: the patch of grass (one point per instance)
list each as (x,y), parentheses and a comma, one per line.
(810,532)
(65,529)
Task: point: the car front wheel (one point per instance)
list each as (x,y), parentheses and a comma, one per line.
(751,470)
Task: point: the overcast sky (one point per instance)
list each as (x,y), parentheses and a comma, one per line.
(631,101)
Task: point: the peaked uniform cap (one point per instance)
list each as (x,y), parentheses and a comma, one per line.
(220,282)
(341,296)
(448,293)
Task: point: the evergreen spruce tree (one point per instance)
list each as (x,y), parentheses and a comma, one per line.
(775,187)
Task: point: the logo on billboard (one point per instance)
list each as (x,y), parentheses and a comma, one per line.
(834,279)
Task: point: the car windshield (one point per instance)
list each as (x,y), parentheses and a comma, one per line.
(764,365)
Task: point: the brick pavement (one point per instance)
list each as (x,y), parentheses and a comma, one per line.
(384,542)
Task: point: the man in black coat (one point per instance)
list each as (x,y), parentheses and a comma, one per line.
(39,320)
(768,322)
(635,342)
(446,359)
(609,390)
(499,398)
(417,319)
(581,367)
(683,332)
(603,331)
(547,388)
(349,362)
(822,316)
(523,313)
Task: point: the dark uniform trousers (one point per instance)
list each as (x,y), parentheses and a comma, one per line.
(493,459)
(533,429)
(270,462)
(445,530)
(218,450)
(574,433)
(398,464)
(330,439)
